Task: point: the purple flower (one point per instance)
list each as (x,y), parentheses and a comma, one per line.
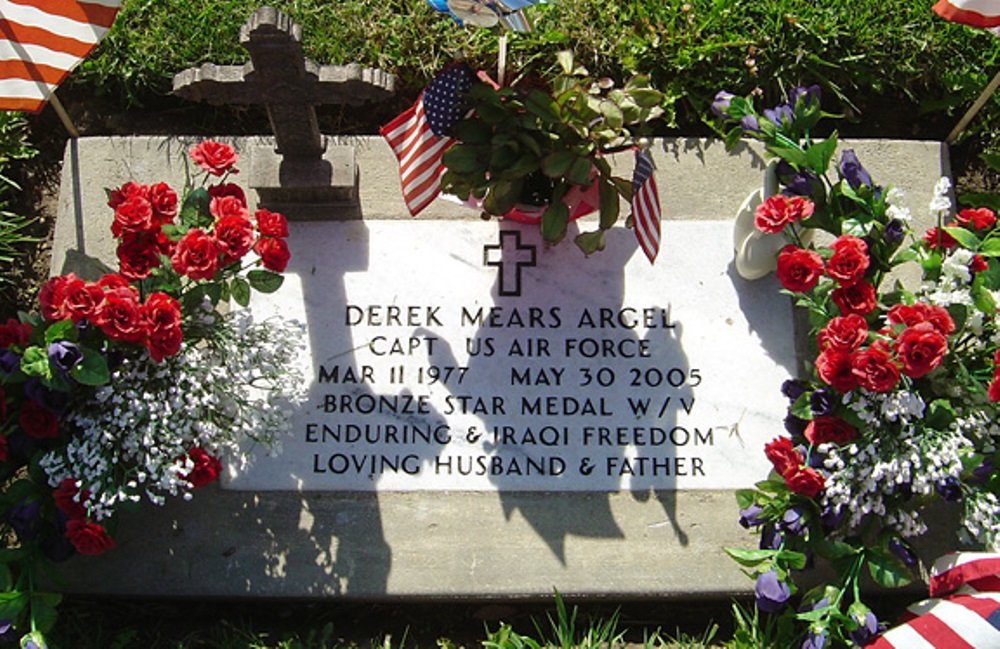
(794,425)
(64,356)
(770,538)
(9,362)
(23,519)
(903,552)
(830,518)
(750,517)
(867,629)
(53,400)
(720,105)
(779,115)
(821,403)
(7,632)
(949,489)
(852,171)
(808,94)
(793,522)
(771,594)
(893,232)
(814,641)
(803,183)
(794,388)
(750,123)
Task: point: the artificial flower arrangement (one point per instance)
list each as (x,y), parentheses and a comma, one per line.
(536,152)
(132,387)
(898,404)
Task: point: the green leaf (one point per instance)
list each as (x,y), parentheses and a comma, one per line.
(557,163)
(750,558)
(265,281)
(464,159)
(194,211)
(502,197)
(612,114)
(610,205)
(963,236)
(472,131)
(35,362)
(990,247)
(11,603)
(43,610)
(590,242)
(579,171)
(61,330)
(983,299)
(565,60)
(646,97)
(92,368)
(239,289)
(886,570)
(554,221)
(818,155)
(745,498)
(542,105)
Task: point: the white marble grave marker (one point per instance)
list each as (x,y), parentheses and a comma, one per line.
(468,356)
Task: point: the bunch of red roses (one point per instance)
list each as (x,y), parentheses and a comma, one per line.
(174,254)
(209,239)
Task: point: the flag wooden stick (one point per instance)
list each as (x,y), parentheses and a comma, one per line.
(991,87)
(63,116)
(502,59)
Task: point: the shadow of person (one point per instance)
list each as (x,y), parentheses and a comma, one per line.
(560,345)
(359,434)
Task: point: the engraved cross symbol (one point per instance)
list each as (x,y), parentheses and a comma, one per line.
(510,257)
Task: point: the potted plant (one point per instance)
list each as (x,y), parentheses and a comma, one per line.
(535,152)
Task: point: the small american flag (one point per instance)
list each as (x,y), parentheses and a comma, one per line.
(41,41)
(418,135)
(964,612)
(645,205)
(976,13)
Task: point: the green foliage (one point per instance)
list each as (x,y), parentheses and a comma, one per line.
(15,229)
(534,146)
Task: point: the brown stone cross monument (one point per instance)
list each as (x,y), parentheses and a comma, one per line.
(306,172)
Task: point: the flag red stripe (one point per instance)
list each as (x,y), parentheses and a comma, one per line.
(83,12)
(419,153)
(17,33)
(958,13)
(26,105)
(32,72)
(937,632)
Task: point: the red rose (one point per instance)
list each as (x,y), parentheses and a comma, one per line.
(829,430)
(978,264)
(835,368)
(980,218)
(993,392)
(849,261)
(37,421)
(224,206)
(67,500)
(162,315)
(121,317)
(227,189)
(88,538)
(163,200)
(114,283)
(798,269)
(196,255)
(273,253)
(844,333)
(233,236)
(875,369)
(118,196)
(271,224)
(936,238)
(779,210)
(83,300)
(206,468)
(783,455)
(52,297)
(134,216)
(214,157)
(137,256)
(14,333)
(857,298)
(805,481)
(920,348)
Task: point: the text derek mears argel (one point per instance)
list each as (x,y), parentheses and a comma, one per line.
(575,390)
